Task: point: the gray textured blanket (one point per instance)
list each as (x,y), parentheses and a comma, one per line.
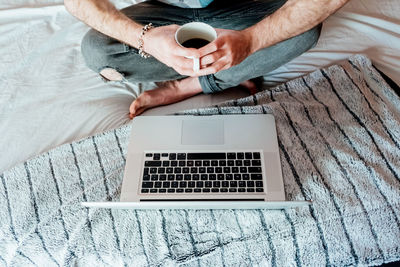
(339,138)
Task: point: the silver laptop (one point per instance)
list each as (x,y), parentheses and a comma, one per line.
(202,162)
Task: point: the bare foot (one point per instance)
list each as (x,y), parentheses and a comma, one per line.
(166,93)
(250,86)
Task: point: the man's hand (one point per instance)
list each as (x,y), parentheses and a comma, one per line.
(160,43)
(229,49)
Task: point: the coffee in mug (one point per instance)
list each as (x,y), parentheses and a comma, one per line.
(195,35)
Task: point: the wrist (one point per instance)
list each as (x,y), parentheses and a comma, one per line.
(255,43)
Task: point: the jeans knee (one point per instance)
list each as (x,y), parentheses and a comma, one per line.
(313,35)
(99,50)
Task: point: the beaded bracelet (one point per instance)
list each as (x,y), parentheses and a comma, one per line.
(145,29)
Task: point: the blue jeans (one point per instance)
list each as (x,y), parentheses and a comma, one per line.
(101,51)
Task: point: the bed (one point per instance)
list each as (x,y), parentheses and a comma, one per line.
(59,147)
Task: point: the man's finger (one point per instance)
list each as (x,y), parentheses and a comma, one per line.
(211,47)
(211,58)
(185,52)
(214,68)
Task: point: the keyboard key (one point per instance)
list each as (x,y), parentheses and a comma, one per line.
(146,171)
(166,184)
(250,183)
(149,163)
(162,190)
(208,184)
(179,177)
(165,163)
(199,184)
(190,163)
(197,190)
(235,169)
(172,156)
(237,176)
(227,169)
(241,190)
(259,189)
(214,163)
(181,156)
(239,163)
(242,184)
(195,177)
(174,163)
(158,184)
(162,177)
(161,170)
(206,190)
(223,190)
(187,177)
(182,184)
(185,170)
(231,163)
(231,190)
(212,177)
(250,190)
(243,169)
(197,163)
(248,155)
(259,184)
(215,190)
(188,190)
(194,170)
(233,184)
(256,155)
(256,176)
(202,170)
(245,176)
(146,177)
(156,156)
(247,163)
(204,177)
(153,190)
(174,184)
(225,184)
(206,156)
(177,170)
(171,177)
(256,162)
(240,155)
(191,184)
(164,155)
(210,169)
(180,190)
(218,169)
(154,177)
(149,155)
(228,176)
(206,163)
(153,170)
(171,190)
(170,170)
(182,163)
(144,190)
(231,155)
(222,163)
(254,169)
(220,177)
(216,184)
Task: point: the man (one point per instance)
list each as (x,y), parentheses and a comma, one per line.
(254,38)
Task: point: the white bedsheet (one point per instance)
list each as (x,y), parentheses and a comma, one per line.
(48,97)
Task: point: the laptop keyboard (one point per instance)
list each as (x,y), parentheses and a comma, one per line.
(232,172)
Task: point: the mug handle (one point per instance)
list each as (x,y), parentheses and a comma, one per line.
(196,64)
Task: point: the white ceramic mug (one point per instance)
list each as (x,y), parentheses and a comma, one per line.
(195,30)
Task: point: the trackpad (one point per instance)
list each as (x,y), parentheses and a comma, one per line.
(202,132)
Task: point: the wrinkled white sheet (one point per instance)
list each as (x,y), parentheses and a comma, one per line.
(48,97)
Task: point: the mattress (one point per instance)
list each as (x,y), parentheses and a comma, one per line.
(48,97)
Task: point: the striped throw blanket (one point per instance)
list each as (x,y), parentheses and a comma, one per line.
(339,139)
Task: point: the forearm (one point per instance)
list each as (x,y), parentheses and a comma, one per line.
(104,17)
(293,18)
